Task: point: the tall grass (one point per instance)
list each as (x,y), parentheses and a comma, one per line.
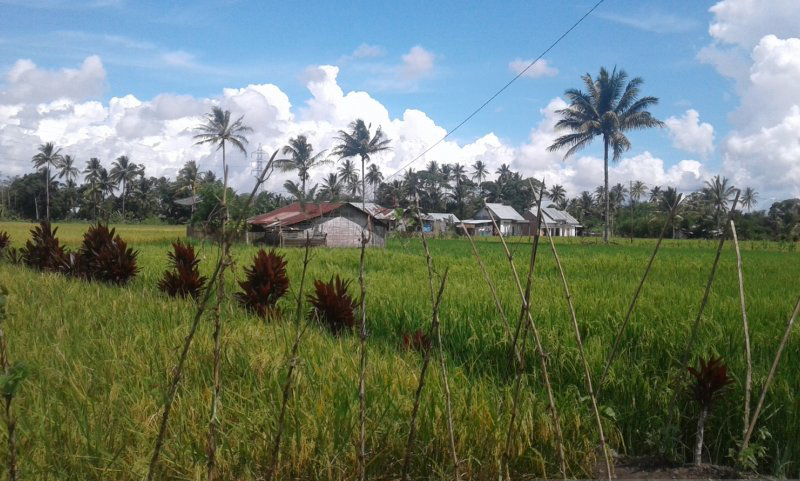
(100,359)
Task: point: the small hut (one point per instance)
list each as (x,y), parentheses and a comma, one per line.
(331,224)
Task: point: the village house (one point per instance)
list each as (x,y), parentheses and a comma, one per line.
(559,222)
(508,220)
(330,224)
(438,223)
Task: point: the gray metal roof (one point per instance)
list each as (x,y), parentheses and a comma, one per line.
(505,212)
(193,199)
(442,216)
(476,221)
(556,216)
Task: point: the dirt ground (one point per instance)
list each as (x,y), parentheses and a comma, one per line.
(652,468)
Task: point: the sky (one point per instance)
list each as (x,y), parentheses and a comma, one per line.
(104,78)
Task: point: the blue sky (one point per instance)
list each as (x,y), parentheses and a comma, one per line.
(463,54)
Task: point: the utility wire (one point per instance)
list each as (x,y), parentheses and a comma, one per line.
(501,90)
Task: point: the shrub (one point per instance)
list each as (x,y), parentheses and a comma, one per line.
(265,282)
(43,251)
(417,341)
(710,379)
(184,279)
(332,305)
(5,241)
(103,256)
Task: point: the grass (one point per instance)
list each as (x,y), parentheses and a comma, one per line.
(101,356)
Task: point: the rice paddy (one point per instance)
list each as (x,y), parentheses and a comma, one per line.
(100,359)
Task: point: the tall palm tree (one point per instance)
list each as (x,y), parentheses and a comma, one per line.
(557,194)
(608,109)
(718,191)
(655,194)
(637,190)
(374,178)
(92,173)
(107,185)
(219,130)
(360,142)
(49,156)
(123,171)
(348,174)
(296,191)
(458,173)
(749,198)
(479,172)
(67,169)
(301,158)
(331,188)
(188,179)
(504,171)
(586,204)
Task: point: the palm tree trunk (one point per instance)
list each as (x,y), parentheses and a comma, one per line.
(47,190)
(605,187)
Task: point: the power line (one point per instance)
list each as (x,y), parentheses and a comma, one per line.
(501,90)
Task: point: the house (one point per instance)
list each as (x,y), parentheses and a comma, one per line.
(331,224)
(476,228)
(559,222)
(508,220)
(438,223)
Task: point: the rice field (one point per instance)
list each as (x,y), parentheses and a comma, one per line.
(100,359)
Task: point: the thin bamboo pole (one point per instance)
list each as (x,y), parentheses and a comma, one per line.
(539,349)
(421,383)
(442,364)
(366,233)
(177,370)
(586,371)
(624,325)
(748,379)
(770,376)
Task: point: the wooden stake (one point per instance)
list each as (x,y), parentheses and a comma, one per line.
(748,379)
(770,376)
(587,373)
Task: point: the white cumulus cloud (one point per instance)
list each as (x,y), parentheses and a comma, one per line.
(540,68)
(689,134)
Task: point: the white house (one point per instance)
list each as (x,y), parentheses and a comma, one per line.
(558,222)
(508,220)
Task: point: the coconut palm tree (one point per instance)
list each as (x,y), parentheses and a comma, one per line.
(348,174)
(458,173)
(718,192)
(49,156)
(374,178)
(655,194)
(557,194)
(331,188)
(301,158)
(637,190)
(503,172)
(123,171)
(67,169)
(107,185)
(92,176)
(479,172)
(360,142)
(295,190)
(608,109)
(749,198)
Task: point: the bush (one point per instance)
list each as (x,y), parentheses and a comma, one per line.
(184,279)
(266,282)
(332,305)
(103,256)
(43,251)
(5,241)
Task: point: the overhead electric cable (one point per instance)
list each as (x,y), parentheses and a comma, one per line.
(503,88)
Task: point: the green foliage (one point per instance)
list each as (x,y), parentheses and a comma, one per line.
(265,283)
(10,382)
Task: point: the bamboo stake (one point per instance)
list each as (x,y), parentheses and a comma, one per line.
(8,398)
(748,380)
(524,311)
(770,376)
(425,362)
(539,349)
(366,233)
(585,363)
(177,370)
(695,327)
(443,365)
(618,337)
(292,364)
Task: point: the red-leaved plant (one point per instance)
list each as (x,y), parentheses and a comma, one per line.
(43,251)
(265,282)
(103,256)
(332,305)
(5,241)
(184,279)
(417,341)
(710,378)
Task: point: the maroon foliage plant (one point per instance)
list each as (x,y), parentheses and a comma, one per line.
(265,283)
(184,279)
(332,305)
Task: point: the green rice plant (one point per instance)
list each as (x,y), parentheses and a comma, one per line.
(265,283)
(332,305)
(710,378)
(43,251)
(13,255)
(184,279)
(11,376)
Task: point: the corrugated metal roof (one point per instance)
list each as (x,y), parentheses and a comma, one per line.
(442,216)
(556,216)
(375,210)
(475,221)
(187,201)
(505,212)
(294,214)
